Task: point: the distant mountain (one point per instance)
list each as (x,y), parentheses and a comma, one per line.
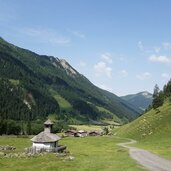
(141,100)
(35,86)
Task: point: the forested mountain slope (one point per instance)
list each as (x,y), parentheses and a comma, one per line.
(41,85)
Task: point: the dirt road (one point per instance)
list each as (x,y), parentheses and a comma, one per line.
(149,160)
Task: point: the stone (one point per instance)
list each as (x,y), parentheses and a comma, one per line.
(70,158)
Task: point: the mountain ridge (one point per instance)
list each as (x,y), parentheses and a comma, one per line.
(141,100)
(52,79)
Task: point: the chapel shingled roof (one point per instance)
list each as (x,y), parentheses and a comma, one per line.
(45,137)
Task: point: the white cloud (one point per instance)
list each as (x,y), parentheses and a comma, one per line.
(105,87)
(144,76)
(124,73)
(140,46)
(46,36)
(166,45)
(160,59)
(155,49)
(107,57)
(82,64)
(165,76)
(78,34)
(101,68)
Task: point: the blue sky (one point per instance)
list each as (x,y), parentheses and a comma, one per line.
(122,46)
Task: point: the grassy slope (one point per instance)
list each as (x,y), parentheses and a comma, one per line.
(152,130)
(115,117)
(14,82)
(91,153)
(63,103)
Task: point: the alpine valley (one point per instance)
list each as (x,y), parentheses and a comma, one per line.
(34,87)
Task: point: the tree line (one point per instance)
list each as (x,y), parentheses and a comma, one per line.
(159,96)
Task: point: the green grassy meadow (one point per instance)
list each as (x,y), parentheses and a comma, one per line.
(88,127)
(90,154)
(63,103)
(152,131)
(115,118)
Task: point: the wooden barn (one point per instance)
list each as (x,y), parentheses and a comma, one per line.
(94,133)
(70,133)
(82,133)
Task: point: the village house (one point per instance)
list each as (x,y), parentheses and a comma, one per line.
(94,133)
(74,133)
(82,133)
(46,139)
(70,133)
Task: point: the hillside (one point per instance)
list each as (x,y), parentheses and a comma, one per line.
(46,85)
(152,130)
(141,100)
(155,122)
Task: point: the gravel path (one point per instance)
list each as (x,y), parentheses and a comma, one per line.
(149,160)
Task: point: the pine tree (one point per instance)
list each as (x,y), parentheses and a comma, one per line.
(167,89)
(29,132)
(158,97)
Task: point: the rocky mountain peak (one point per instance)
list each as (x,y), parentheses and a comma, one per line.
(146,94)
(68,68)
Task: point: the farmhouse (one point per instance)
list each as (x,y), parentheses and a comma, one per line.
(94,133)
(82,133)
(46,139)
(74,133)
(70,133)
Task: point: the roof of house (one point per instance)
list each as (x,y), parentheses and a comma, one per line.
(71,131)
(82,131)
(45,137)
(48,122)
(94,132)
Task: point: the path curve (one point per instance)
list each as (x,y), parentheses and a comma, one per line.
(149,160)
